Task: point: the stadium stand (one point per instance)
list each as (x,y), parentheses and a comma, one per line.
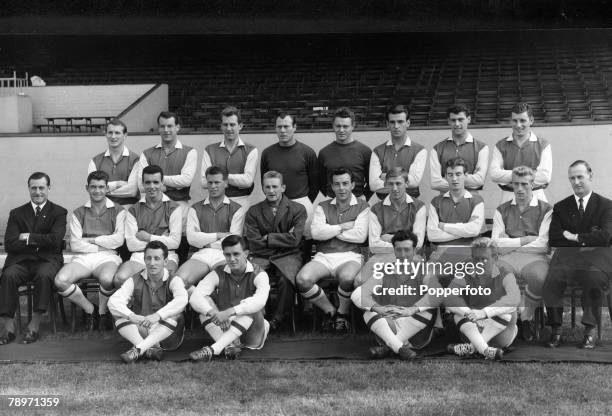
(565,75)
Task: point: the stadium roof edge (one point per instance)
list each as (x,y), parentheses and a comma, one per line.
(112,25)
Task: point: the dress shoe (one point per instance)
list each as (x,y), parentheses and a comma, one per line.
(275,324)
(328,324)
(555,341)
(528,330)
(341,323)
(588,342)
(105,322)
(7,338)
(30,337)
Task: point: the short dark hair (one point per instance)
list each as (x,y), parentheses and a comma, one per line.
(397,109)
(455,162)
(344,171)
(345,112)
(152,170)
(155,245)
(273,174)
(403,235)
(233,239)
(97,175)
(456,109)
(522,107)
(283,114)
(215,170)
(582,162)
(232,111)
(39,175)
(117,122)
(167,115)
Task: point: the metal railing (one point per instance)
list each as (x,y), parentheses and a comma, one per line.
(13,85)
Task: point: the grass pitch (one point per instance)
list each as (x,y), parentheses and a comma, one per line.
(320,388)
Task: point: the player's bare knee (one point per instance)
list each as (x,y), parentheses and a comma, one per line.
(172,268)
(120,277)
(346,281)
(62,281)
(304,281)
(107,281)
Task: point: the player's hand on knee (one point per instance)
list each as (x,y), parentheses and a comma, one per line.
(136,319)
(151,320)
(404,311)
(223,316)
(476,315)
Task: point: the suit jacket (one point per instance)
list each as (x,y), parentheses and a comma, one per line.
(284,231)
(594,231)
(46,234)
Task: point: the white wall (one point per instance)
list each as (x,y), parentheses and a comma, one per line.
(143,117)
(15,114)
(65,159)
(82,100)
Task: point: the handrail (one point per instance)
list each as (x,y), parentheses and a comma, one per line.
(138,100)
(14,83)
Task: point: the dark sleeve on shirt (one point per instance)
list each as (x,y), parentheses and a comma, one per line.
(555,232)
(12,243)
(263,163)
(322,173)
(54,238)
(251,231)
(599,235)
(312,165)
(293,238)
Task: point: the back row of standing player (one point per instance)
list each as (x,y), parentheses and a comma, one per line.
(306,175)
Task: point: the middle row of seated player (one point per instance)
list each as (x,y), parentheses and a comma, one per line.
(275,226)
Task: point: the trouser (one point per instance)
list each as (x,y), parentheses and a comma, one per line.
(286,294)
(593,282)
(40,272)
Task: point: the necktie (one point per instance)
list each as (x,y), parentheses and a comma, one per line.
(38,210)
(580,207)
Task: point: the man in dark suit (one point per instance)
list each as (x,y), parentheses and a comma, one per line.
(33,242)
(274,228)
(580,231)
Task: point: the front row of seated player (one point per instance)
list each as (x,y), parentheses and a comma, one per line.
(402,307)
(148,308)
(276,225)
(230,301)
